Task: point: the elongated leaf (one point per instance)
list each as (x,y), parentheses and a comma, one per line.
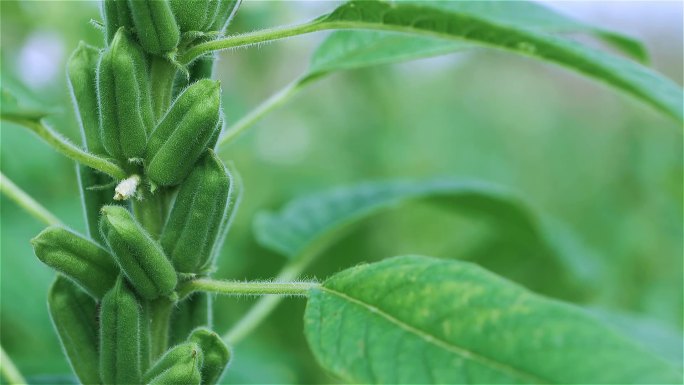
(310,223)
(344,50)
(424,320)
(476,24)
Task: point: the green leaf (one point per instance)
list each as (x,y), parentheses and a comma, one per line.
(424,320)
(344,50)
(476,24)
(311,223)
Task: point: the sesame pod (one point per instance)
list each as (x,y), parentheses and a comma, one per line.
(74,315)
(231,210)
(217,134)
(155,25)
(224,14)
(120,336)
(124,98)
(191,313)
(192,15)
(141,259)
(78,258)
(216,354)
(195,220)
(115,14)
(82,74)
(179,365)
(183,134)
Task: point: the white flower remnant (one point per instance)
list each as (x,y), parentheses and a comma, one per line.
(126,188)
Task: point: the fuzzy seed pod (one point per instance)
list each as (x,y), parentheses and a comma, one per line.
(74,315)
(193,15)
(124,99)
(224,14)
(82,74)
(195,220)
(179,365)
(141,259)
(78,258)
(120,336)
(184,132)
(155,25)
(115,14)
(191,313)
(93,196)
(216,354)
(228,216)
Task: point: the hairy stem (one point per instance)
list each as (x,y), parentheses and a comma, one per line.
(63,146)
(160,315)
(163,73)
(246,288)
(9,371)
(265,305)
(24,200)
(250,39)
(262,109)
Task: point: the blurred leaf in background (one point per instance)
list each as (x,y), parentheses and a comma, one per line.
(602,163)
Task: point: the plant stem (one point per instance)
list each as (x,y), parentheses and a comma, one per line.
(9,370)
(163,73)
(160,315)
(250,39)
(262,109)
(246,288)
(265,305)
(27,202)
(62,145)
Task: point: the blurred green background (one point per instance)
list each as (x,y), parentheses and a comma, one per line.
(604,164)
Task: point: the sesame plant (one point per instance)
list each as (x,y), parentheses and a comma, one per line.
(132,299)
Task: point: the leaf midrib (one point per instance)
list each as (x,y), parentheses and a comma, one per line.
(436,341)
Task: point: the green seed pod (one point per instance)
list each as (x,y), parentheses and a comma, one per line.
(120,336)
(193,15)
(79,259)
(231,210)
(155,25)
(224,14)
(179,365)
(141,259)
(74,315)
(124,98)
(216,354)
(183,134)
(115,14)
(195,220)
(82,74)
(93,196)
(191,313)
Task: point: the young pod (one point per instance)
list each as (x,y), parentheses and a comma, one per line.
(124,98)
(115,14)
(78,258)
(82,75)
(74,315)
(193,15)
(140,258)
(120,336)
(224,14)
(216,354)
(179,365)
(184,132)
(191,313)
(195,220)
(155,25)
(231,210)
